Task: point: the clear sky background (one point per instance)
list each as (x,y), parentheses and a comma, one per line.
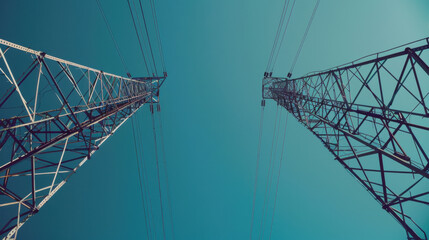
(215,53)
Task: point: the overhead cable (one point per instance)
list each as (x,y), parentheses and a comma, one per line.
(148,38)
(270,167)
(157,168)
(112,36)
(303,38)
(279,30)
(155,18)
(278,176)
(140,179)
(283,36)
(138,37)
(258,156)
(165,170)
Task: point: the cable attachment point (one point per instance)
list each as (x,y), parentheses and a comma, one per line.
(263,103)
(151,108)
(289,75)
(158,107)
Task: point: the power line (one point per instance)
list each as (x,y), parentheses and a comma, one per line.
(303,38)
(278,176)
(112,36)
(138,37)
(157,34)
(271,173)
(140,178)
(148,38)
(146,179)
(257,165)
(157,168)
(270,167)
(140,27)
(283,36)
(279,30)
(165,169)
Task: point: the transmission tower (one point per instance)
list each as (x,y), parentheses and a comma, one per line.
(53,117)
(373,116)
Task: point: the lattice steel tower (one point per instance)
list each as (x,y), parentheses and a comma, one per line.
(373,116)
(53,117)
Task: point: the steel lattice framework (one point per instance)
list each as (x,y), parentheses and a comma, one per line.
(373,116)
(53,117)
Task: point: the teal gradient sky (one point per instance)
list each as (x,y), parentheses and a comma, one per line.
(215,53)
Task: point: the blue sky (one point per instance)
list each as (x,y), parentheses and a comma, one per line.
(215,53)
